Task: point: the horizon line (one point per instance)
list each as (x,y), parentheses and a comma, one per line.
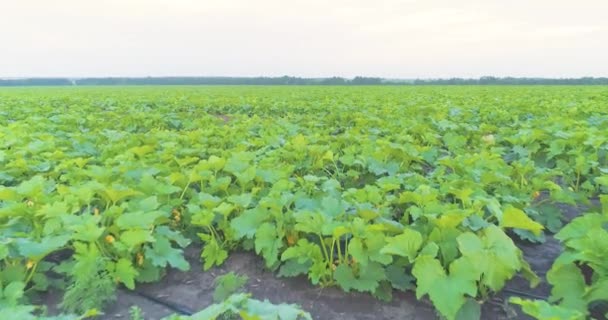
(304,77)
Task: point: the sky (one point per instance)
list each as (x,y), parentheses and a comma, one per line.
(309,38)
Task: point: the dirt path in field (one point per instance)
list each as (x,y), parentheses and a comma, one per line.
(192,291)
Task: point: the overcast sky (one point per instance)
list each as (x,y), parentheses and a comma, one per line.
(387,38)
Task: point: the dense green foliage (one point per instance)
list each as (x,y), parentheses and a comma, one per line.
(369,189)
(287,80)
(242,306)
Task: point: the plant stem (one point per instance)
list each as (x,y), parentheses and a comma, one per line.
(181,197)
(331,252)
(31,274)
(340,252)
(325,254)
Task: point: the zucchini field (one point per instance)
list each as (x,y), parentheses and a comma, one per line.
(375,191)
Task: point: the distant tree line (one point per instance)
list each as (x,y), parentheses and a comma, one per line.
(514,81)
(286,80)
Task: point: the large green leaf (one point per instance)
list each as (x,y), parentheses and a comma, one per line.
(406,244)
(449,292)
(366,279)
(493,256)
(516,218)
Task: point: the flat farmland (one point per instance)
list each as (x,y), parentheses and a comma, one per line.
(299,202)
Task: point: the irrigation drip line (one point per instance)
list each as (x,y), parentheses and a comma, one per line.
(183,310)
(524,294)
